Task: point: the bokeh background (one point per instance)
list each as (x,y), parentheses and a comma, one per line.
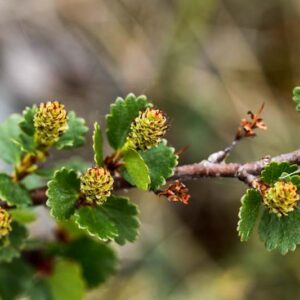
(206,63)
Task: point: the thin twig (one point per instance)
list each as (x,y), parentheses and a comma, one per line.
(245,130)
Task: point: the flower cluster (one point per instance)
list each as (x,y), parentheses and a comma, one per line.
(282,198)
(96,184)
(50,122)
(147,129)
(5,222)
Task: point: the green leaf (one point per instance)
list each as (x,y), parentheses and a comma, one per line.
(66,282)
(97,260)
(71,228)
(26,143)
(74,137)
(10,151)
(27,122)
(63,192)
(280,233)
(15,279)
(137,169)
(39,290)
(23,215)
(296,181)
(26,139)
(161,161)
(98,145)
(248,213)
(124,214)
(296,97)
(11,245)
(115,219)
(273,171)
(13,193)
(33,181)
(96,222)
(122,113)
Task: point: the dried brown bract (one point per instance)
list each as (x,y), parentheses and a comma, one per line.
(247,127)
(177,192)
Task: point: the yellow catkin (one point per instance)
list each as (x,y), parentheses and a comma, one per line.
(147,129)
(281,198)
(50,122)
(5,222)
(96,184)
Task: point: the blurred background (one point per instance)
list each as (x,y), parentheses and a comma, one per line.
(206,63)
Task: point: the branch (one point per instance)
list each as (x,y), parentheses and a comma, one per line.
(246,173)
(234,170)
(213,166)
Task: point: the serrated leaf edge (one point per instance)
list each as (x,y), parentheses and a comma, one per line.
(162,179)
(240,217)
(123,100)
(27,108)
(112,107)
(13,204)
(276,246)
(80,138)
(50,183)
(175,161)
(135,217)
(86,228)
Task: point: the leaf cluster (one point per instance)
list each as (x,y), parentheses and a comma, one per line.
(277,232)
(81,257)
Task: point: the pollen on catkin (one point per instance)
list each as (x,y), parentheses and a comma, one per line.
(147,129)
(96,184)
(5,222)
(281,198)
(50,122)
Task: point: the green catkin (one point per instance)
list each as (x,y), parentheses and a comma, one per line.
(96,184)
(147,129)
(5,222)
(282,198)
(50,122)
